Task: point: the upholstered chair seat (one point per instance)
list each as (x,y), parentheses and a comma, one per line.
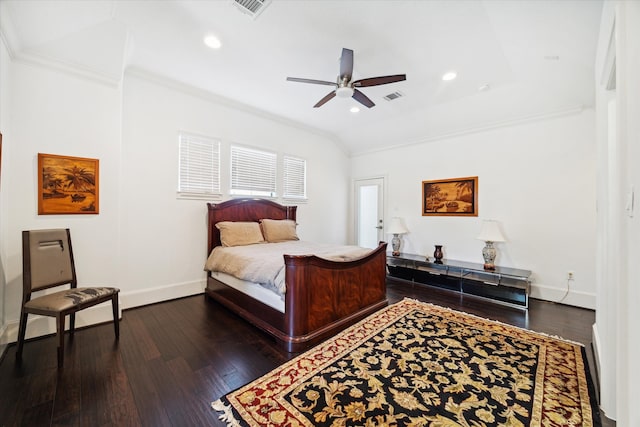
(68,299)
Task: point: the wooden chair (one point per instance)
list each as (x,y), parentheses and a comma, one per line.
(47,262)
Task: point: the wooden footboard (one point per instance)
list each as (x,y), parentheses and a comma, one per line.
(322,297)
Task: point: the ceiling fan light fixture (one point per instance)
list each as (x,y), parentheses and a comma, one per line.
(345,87)
(344,92)
(354,109)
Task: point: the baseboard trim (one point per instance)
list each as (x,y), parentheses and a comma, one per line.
(161,293)
(38,326)
(595,346)
(3,345)
(573,297)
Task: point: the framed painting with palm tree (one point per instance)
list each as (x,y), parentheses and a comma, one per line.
(67,185)
(452,197)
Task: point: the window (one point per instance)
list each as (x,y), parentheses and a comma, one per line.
(199,169)
(253,172)
(295,178)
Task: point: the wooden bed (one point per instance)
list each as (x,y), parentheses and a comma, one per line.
(322,297)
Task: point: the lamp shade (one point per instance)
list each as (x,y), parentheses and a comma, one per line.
(396,226)
(490,232)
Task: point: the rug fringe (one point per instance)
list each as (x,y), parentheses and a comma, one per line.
(227,413)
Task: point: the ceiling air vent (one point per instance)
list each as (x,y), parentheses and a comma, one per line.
(394,95)
(251,7)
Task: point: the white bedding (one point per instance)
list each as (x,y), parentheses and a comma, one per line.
(263,263)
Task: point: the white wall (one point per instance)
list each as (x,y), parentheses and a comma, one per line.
(53,112)
(4,120)
(537,179)
(616,335)
(144,240)
(628,62)
(607,226)
(163,239)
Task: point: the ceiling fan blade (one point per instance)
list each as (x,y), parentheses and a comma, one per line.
(315,82)
(346,64)
(362,98)
(325,99)
(383,80)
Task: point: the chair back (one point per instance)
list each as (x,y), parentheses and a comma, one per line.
(47,260)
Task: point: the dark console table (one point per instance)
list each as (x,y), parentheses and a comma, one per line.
(504,285)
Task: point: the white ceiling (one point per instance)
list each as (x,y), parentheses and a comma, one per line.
(537,56)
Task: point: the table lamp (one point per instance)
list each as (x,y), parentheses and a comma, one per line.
(397,228)
(490,233)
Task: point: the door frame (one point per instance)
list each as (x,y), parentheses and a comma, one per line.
(354,204)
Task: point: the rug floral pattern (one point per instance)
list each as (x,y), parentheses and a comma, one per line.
(416,364)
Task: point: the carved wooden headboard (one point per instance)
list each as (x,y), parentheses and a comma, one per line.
(244,210)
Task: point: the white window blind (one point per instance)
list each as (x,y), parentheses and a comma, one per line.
(199,166)
(253,172)
(295,178)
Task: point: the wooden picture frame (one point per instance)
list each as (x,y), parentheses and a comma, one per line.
(67,185)
(450,197)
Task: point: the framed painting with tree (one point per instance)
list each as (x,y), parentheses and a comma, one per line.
(67,185)
(450,197)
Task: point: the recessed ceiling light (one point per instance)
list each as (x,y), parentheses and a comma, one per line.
(484,88)
(213,42)
(449,76)
(355,110)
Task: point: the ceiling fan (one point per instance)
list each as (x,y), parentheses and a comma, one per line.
(345,88)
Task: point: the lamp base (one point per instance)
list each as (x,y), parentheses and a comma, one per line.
(489,255)
(395,245)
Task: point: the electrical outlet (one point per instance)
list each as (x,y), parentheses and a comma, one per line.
(569,275)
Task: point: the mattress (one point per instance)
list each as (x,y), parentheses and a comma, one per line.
(254,290)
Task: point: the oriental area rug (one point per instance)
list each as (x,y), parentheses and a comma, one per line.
(417,364)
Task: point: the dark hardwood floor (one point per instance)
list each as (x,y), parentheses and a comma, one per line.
(174,358)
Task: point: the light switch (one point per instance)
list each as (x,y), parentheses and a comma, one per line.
(629,205)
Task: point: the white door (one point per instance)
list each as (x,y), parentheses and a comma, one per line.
(369,212)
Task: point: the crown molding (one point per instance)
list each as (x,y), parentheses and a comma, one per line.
(70,68)
(7,32)
(43,61)
(227,102)
(482,128)
(18,54)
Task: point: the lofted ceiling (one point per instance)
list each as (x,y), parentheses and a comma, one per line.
(515,59)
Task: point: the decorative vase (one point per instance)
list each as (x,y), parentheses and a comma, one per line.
(437,254)
(489,255)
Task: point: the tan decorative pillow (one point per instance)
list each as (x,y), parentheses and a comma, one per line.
(239,233)
(278,230)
